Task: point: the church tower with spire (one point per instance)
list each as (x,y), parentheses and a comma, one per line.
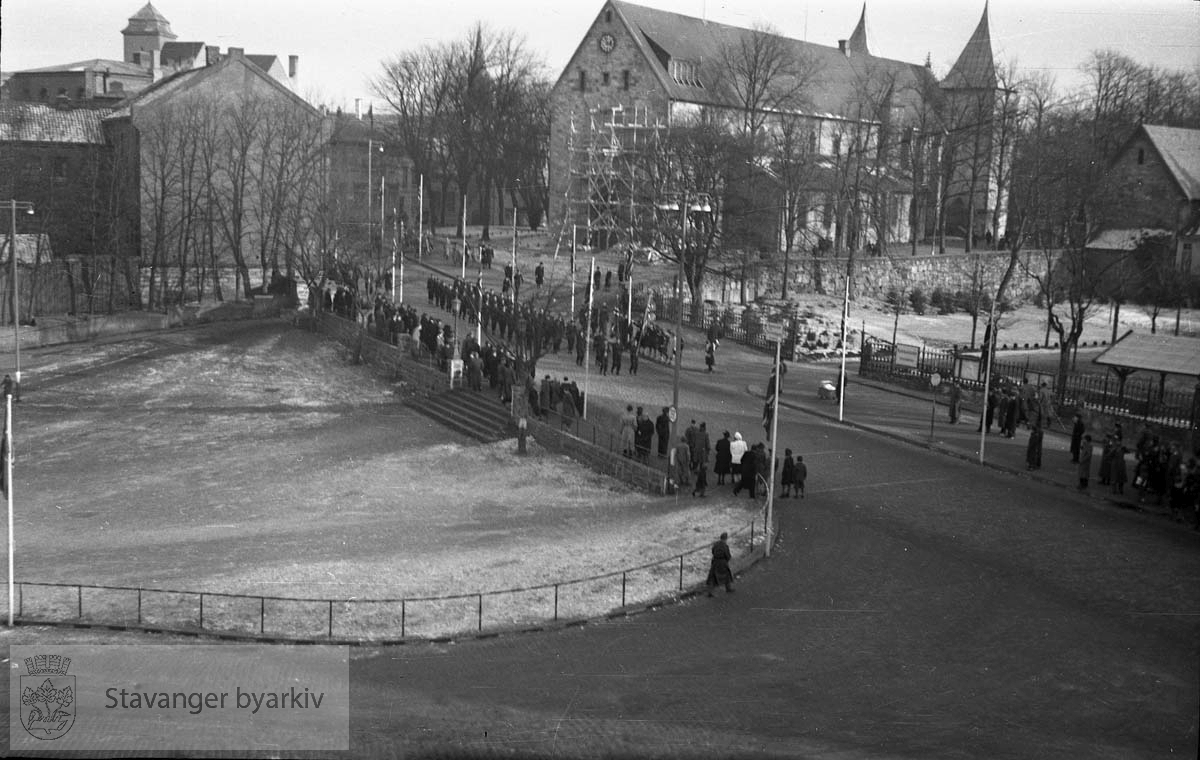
(976,203)
(144,36)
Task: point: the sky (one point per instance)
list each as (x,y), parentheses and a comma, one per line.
(342,45)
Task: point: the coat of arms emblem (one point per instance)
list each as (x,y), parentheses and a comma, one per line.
(47,695)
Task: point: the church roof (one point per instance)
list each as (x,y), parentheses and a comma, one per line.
(975,67)
(92,64)
(1180,151)
(858,40)
(41,123)
(665,36)
(149,21)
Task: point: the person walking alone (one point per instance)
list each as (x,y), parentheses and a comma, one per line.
(718,570)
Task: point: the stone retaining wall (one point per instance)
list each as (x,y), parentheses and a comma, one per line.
(875,276)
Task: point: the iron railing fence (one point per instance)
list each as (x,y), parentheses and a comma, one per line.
(1135,399)
(357,619)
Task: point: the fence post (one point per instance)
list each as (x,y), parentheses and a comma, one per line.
(622,588)
(139,606)
(1104,402)
(403,615)
(481,612)
(201,610)
(20,599)
(556,602)
(262,614)
(681,572)
(331,618)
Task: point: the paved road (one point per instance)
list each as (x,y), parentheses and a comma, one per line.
(917,605)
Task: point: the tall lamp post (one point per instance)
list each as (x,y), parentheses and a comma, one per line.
(27,207)
(685,204)
(8,396)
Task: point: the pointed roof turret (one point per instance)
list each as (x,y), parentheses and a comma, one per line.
(149,21)
(858,40)
(975,67)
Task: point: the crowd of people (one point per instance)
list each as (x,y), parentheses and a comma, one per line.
(1158,471)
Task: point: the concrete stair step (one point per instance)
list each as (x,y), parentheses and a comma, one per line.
(476,415)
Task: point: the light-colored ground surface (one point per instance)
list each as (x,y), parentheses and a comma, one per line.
(253,459)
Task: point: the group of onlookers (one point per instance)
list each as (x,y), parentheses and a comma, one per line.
(1159,471)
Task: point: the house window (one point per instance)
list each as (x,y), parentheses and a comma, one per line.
(1141,156)
(608,16)
(837,145)
(625,79)
(81,93)
(60,169)
(583,81)
(604,79)
(1185,259)
(812,141)
(44,94)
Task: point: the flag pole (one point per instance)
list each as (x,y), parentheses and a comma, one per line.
(586,337)
(420,214)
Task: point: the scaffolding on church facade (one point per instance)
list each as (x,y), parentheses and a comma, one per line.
(607,196)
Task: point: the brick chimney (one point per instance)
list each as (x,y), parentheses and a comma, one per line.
(843,48)
(212,55)
(293,67)
(237,52)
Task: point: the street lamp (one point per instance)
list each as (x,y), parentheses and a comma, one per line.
(685,204)
(8,396)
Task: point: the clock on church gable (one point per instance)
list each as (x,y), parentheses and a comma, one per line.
(607,42)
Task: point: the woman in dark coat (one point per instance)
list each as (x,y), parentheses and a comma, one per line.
(1077,431)
(788,476)
(718,571)
(723,459)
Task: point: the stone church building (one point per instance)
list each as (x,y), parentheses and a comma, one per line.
(926,159)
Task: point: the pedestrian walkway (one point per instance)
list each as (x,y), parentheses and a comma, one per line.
(870,405)
(907,415)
